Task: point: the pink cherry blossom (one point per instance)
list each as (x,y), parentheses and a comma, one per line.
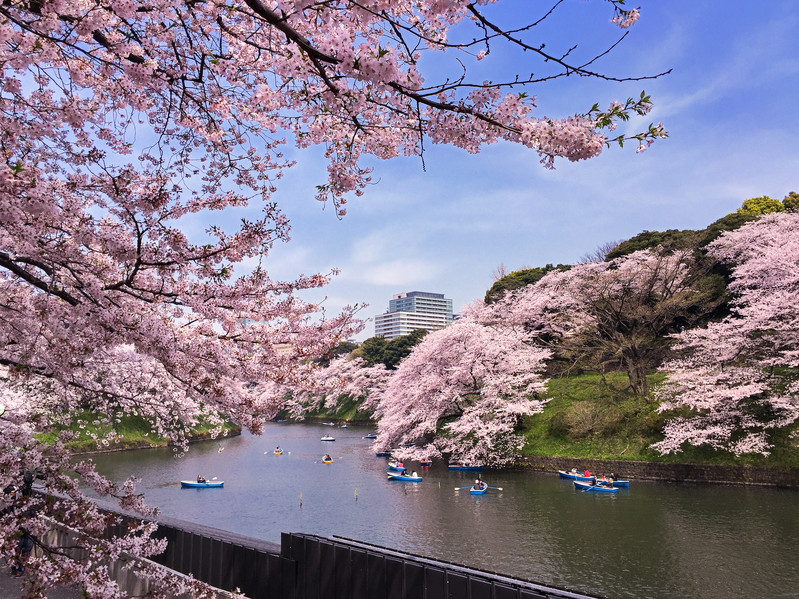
(735,375)
(123,122)
(462,391)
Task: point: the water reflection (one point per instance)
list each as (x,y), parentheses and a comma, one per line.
(655,540)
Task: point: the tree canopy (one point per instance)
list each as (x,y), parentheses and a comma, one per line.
(389,352)
(462,391)
(738,377)
(123,122)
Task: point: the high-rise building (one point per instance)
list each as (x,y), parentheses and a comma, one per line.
(414,310)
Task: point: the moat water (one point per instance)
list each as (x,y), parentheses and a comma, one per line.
(654,540)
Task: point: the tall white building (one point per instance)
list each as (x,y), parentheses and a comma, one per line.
(414,310)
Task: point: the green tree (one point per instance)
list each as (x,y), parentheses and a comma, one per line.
(518,279)
(399,347)
(791,202)
(372,350)
(761,205)
(379,350)
(726,223)
(669,240)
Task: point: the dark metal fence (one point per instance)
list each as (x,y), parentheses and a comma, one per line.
(338,568)
(311,567)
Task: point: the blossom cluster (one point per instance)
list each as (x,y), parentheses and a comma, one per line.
(737,376)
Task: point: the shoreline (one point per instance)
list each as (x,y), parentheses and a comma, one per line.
(131,446)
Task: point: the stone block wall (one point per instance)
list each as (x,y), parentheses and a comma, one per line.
(701,473)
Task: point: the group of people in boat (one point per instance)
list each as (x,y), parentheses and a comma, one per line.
(605,479)
(479,485)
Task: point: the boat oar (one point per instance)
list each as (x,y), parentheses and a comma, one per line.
(497,488)
(461,488)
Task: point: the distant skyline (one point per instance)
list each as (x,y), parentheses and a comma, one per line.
(446,224)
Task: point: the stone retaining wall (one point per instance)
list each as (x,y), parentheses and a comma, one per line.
(703,473)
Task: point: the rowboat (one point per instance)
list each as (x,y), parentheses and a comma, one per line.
(615,483)
(383,454)
(575,476)
(404,477)
(370,436)
(395,467)
(278,452)
(481,490)
(464,467)
(594,488)
(425,463)
(327,461)
(195,485)
(328,438)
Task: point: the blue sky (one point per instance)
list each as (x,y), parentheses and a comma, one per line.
(730,106)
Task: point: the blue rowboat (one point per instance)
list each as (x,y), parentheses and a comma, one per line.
(207,484)
(594,488)
(575,476)
(370,436)
(404,477)
(395,467)
(615,483)
(464,467)
(481,490)
(383,454)
(425,463)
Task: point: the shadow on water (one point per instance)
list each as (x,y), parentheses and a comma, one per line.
(654,540)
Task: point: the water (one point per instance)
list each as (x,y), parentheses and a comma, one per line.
(655,540)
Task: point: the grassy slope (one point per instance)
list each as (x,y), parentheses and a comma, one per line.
(133,432)
(589,418)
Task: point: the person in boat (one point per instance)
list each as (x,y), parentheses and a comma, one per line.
(587,473)
(478,485)
(201,479)
(574,470)
(414,475)
(327,458)
(404,472)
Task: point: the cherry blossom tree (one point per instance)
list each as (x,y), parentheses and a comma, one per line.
(463,390)
(737,378)
(123,123)
(323,388)
(600,315)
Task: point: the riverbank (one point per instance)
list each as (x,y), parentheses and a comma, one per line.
(93,433)
(233,431)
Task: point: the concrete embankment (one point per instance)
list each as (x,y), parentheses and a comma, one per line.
(699,473)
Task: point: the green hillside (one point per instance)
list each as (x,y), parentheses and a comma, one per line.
(587,417)
(132,432)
